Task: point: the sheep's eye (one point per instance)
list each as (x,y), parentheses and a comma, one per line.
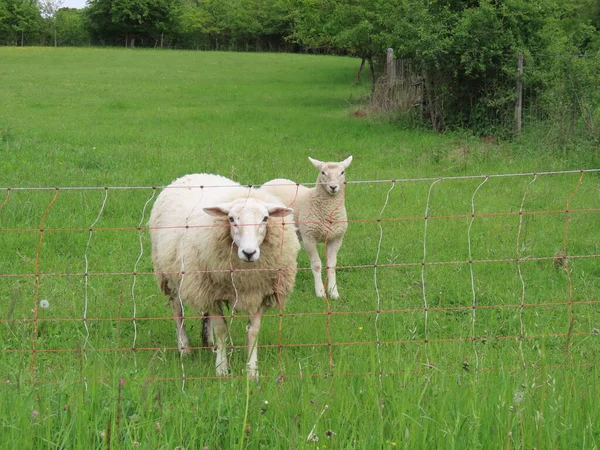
(323,172)
(265,218)
(342,172)
(231,220)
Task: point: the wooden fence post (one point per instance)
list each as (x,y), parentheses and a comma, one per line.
(519,92)
(389,64)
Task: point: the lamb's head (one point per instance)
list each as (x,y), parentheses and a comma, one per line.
(248,218)
(332,175)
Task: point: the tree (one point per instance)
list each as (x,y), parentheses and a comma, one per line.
(19,19)
(467,51)
(71,27)
(351,27)
(129,21)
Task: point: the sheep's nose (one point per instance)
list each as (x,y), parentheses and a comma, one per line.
(333,188)
(249,255)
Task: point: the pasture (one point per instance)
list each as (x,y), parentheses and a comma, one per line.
(468,315)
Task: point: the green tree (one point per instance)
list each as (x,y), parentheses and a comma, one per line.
(20,21)
(71,27)
(235,24)
(467,52)
(352,27)
(129,21)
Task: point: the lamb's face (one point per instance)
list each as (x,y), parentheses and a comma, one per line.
(332,175)
(248,219)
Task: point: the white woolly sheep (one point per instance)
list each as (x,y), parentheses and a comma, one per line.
(320,214)
(207,232)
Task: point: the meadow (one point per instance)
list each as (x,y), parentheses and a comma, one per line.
(468,315)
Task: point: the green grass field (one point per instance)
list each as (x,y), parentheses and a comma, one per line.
(444,374)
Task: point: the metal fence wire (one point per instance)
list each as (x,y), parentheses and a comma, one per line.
(475,265)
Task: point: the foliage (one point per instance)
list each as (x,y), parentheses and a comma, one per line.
(71,27)
(467,52)
(235,24)
(352,27)
(127,21)
(20,22)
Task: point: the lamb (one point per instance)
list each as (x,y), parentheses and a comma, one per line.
(207,232)
(320,215)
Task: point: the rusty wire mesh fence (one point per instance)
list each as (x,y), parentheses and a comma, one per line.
(456,273)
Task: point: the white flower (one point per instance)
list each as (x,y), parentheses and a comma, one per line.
(44,304)
(518,397)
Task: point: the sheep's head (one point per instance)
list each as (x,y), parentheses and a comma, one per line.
(332,175)
(248,218)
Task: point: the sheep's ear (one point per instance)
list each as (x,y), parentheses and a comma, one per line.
(217,210)
(315,162)
(346,162)
(278,210)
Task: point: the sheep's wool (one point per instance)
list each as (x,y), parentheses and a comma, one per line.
(194,256)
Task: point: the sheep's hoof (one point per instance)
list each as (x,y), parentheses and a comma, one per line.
(320,293)
(185,351)
(334,295)
(252,372)
(222,370)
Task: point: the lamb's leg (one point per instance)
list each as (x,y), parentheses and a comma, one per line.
(252,331)
(315,265)
(183,342)
(219,327)
(333,247)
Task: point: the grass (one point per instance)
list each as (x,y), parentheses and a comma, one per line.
(115,117)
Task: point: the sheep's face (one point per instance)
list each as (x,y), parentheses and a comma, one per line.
(248,219)
(332,175)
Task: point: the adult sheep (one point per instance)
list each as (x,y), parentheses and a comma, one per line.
(215,242)
(320,215)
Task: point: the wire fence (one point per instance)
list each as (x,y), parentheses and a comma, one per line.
(483,272)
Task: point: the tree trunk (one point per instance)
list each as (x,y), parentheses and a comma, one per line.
(372,69)
(429,101)
(132,42)
(360,71)
(162,39)
(22,38)
(55,38)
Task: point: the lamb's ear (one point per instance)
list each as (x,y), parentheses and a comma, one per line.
(278,210)
(219,210)
(315,162)
(346,162)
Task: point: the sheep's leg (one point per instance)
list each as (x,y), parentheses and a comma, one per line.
(333,247)
(183,342)
(219,327)
(207,332)
(315,265)
(252,333)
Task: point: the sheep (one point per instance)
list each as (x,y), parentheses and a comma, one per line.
(320,215)
(196,225)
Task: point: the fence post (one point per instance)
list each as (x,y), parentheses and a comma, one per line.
(519,91)
(389,64)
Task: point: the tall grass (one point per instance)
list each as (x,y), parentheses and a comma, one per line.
(500,376)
